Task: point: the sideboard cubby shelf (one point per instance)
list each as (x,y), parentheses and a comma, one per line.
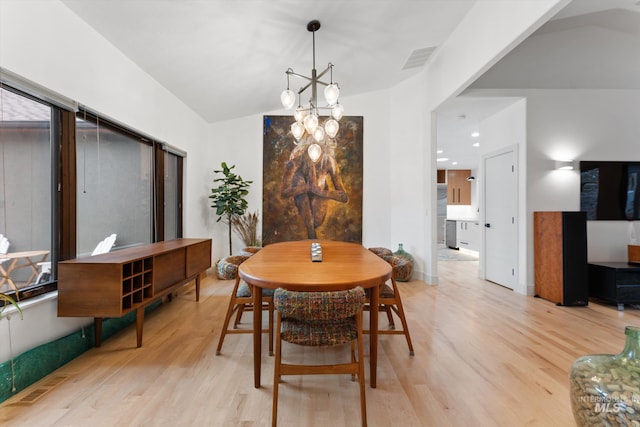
(118,282)
(137,282)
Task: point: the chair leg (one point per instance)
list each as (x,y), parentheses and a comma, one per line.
(403,319)
(392,324)
(227,318)
(271,310)
(230,310)
(276,374)
(239,313)
(353,358)
(363,400)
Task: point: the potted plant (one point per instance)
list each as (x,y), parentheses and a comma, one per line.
(6,299)
(228,199)
(246,227)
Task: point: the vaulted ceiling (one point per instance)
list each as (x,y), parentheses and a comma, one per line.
(227,59)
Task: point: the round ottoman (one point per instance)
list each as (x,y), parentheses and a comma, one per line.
(250,250)
(227,267)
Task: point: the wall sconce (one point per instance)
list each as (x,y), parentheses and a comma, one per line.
(565,165)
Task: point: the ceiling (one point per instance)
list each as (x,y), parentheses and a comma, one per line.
(590,44)
(227,59)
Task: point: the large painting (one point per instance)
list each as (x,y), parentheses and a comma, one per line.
(302,199)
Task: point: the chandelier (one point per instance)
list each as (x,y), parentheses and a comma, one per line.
(308,116)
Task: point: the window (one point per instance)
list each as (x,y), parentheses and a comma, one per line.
(114,186)
(172,196)
(26,204)
(68,181)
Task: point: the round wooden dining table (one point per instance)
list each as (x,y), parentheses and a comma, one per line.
(288,265)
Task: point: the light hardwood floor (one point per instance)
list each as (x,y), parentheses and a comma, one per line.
(484,356)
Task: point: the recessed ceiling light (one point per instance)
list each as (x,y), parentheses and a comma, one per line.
(475,134)
(454,163)
(476,144)
(439,151)
(442,159)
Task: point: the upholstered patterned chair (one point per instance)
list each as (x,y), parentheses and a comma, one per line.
(381,251)
(319,319)
(390,302)
(241,300)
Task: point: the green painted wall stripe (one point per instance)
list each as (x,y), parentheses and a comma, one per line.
(37,363)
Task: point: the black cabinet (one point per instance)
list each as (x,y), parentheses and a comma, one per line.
(616,282)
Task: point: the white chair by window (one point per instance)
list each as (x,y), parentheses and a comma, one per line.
(103,247)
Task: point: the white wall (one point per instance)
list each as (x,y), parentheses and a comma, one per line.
(580,125)
(244,137)
(43,41)
(487,33)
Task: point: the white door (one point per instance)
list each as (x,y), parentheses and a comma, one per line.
(501,208)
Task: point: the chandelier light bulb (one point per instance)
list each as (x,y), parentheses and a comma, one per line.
(314,151)
(331,128)
(297,129)
(288,98)
(337,111)
(331,93)
(318,134)
(299,114)
(311,123)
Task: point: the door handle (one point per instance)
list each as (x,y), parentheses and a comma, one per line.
(488,225)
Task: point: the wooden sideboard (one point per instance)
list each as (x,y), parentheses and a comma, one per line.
(118,282)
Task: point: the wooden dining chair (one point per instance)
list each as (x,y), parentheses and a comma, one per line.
(319,319)
(241,300)
(390,303)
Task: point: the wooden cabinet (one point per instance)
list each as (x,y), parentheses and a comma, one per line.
(118,282)
(442,176)
(560,257)
(458,188)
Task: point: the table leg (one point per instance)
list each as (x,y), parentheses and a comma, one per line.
(373,335)
(8,278)
(257,333)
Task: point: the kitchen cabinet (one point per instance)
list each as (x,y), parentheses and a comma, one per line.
(458,188)
(468,234)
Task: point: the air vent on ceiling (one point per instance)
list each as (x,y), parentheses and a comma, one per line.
(418,58)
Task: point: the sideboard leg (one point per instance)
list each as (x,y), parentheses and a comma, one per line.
(139,322)
(197,288)
(97,331)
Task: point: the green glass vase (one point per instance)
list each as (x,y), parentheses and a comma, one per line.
(402,253)
(403,269)
(605,388)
